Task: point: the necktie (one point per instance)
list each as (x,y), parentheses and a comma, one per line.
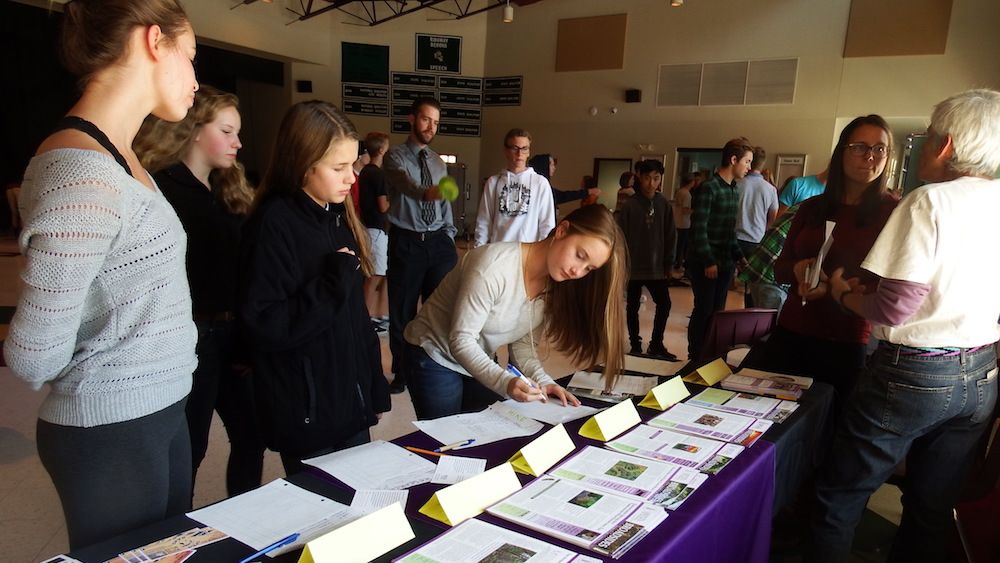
(428,209)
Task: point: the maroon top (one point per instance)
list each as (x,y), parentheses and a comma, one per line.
(823,318)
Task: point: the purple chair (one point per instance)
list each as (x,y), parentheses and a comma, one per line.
(735,328)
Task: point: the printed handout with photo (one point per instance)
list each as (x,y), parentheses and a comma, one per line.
(508,553)
(475,541)
(160,549)
(586,499)
(666,445)
(702,421)
(626,470)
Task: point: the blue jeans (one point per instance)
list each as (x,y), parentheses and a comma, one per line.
(767,295)
(437,391)
(709,297)
(930,411)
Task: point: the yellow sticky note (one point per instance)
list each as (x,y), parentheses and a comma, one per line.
(362,540)
(710,373)
(462,501)
(543,452)
(609,423)
(665,394)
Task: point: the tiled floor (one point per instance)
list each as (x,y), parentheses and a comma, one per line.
(31,526)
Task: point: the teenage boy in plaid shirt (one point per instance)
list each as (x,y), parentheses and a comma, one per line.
(714,252)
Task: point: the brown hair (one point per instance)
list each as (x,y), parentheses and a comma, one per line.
(584,318)
(306,134)
(161,144)
(836,185)
(95,33)
(759,158)
(375,141)
(735,148)
(516,132)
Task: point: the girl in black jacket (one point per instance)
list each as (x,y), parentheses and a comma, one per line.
(317,363)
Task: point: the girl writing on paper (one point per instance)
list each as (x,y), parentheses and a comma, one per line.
(317,364)
(104,317)
(566,287)
(815,337)
(194,164)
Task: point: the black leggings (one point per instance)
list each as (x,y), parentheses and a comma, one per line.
(219,387)
(117,477)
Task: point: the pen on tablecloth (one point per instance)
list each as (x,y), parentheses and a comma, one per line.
(455,446)
(513,369)
(423,451)
(280,543)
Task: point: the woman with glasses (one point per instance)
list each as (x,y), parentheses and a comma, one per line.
(815,336)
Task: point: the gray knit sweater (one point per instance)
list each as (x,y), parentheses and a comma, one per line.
(105,313)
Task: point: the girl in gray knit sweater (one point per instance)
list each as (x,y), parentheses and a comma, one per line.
(105,315)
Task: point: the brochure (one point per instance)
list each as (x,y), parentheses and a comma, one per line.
(722,459)
(591,385)
(782,411)
(685,482)
(475,541)
(581,515)
(703,422)
(739,403)
(620,473)
(665,445)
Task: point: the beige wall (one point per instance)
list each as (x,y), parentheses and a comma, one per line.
(555,104)
(312,48)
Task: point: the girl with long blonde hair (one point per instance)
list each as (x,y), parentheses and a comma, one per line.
(566,287)
(194,164)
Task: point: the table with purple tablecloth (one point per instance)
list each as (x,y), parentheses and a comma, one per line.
(727,519)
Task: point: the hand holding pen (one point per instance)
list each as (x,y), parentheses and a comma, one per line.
(534,392)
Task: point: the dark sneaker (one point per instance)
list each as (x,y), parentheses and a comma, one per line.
(660,352)
(397,388)
(635,350)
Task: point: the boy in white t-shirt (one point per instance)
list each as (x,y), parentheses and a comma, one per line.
(930,388)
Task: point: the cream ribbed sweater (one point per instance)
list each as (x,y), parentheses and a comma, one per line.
(105,314)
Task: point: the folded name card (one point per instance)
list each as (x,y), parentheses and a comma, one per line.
(362,540)
(543,452)
(665,394)
(710,373)
(462,501)
(609,423)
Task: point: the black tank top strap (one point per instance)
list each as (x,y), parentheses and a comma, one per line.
(81,124)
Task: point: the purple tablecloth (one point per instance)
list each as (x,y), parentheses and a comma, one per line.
(727,520)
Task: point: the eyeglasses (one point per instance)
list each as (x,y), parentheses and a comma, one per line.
(516,148)
(862,150)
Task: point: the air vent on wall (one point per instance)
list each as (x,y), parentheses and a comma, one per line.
(729,83)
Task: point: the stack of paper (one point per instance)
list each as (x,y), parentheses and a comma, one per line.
(739,403)
(710,423)
(693,452)
(550,412)
(592,385)
(778,385)
(378,465)
(581,515)
(475,541)
(498,422)
(619,473)
(275,511)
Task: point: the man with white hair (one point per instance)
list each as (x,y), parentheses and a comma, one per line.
(930,388)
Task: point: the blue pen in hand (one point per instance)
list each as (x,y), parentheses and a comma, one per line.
(280,543)
(513,369)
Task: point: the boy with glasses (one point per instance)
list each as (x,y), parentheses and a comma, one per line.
(516,204)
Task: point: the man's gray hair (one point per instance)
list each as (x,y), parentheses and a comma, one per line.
(972,118)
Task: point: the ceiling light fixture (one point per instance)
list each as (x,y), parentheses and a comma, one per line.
(676,3)
(508,13)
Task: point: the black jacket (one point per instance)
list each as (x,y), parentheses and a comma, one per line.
(317,362)
(213,239)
